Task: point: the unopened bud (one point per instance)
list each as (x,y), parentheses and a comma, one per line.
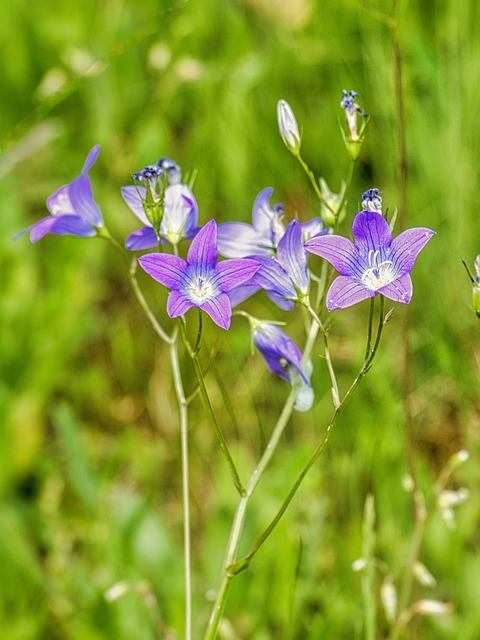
(359,564)
(449,499)
(388,594)
(423,575)
(432,608)
(116,591)
(408,483)
(288,127)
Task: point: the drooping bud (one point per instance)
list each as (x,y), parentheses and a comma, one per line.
(288,127)
(476,284)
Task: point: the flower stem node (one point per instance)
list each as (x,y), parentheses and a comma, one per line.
(288,127)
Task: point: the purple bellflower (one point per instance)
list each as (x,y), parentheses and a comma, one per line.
(200,281)
(279,351)
(376,263)
(284,359)
(285,278)
(180,210)
(73,209)
(241,240)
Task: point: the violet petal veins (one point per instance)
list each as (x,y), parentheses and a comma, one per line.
(374,264)
(199,281)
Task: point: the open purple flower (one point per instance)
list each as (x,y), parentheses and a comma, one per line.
(279,351)
(376,263)
(241,240)
(285,278)
(200,281)
(73,209)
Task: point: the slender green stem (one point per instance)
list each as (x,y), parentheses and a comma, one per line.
(239,518)
(144,304)
(328,357)
(208,406)
(182,406)
(336,414)
(348,184)
(132,274)
(368,576)
(314,184)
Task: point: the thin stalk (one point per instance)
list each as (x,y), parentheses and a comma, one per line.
(208,406)
(230,566)
(328,358)
(368,575)
(240,513)
(313,182)
(182,406)
(144,304)
(316,454)
(132,275)
(348,184)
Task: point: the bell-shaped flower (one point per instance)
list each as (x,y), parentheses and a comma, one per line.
(284,359)
(199,281)
(376,263)
(285,278)
(179,218)
(73,209)
(279,351)
(261,238)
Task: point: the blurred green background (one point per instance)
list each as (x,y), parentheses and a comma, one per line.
(89,445)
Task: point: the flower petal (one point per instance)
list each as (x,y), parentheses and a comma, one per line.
(219,309)
(371,231)
(59,202)
(240,240)
(273,277)
(144,238)
(178,304)
(240,294)
(276,347)
(312,228)
(339,251)
(166,268)
(262,214)
(406,247)
(59,225)
(91,158)
(203,253)
(134,197)
(83,204)
(291,255)
(345,291)
(400,290)
(180,210)
(232,273)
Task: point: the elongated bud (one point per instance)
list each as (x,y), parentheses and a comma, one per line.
(288,127)
(352,137)
(388,594)
(432,608)
(423,575)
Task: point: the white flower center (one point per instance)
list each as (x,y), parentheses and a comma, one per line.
(378,274)
(201,290)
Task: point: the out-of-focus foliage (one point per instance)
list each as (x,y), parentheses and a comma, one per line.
(89,443)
